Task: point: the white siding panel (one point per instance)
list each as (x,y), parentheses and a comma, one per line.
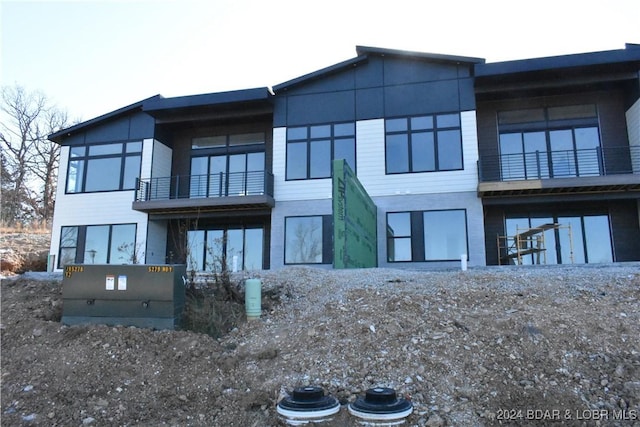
(371,164)
(161,165)
(92,208)
(633,130)
(156,160)
(62,178)
(147,157)
(370,157)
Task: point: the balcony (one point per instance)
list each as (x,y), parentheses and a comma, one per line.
(221,192)
(611,169)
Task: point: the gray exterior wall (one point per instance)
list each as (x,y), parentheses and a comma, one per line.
(379,87)
(428,202)
(292,208)
(130,127)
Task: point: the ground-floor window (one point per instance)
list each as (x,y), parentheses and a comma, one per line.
(308,240)
(235,248)
(98,244)
(439,235)
(578,239)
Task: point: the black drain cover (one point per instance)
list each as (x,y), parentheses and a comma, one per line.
(381,403)
(308,402)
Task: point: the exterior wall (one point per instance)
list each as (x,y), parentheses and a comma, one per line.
(92,208)
(370,147)
(623,216)
(308,189)
(442,201)
(160,162)
(380,87)
(610,105)
(368,93)
(633,129)
(156,163)
(400,192)
(292,208)
(156,245)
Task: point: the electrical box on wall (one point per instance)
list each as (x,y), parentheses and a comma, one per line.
(146,296)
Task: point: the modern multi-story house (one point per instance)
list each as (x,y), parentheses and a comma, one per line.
(460,158)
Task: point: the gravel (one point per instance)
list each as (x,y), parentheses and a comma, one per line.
(530,345)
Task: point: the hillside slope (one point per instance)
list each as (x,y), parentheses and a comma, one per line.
(493,346)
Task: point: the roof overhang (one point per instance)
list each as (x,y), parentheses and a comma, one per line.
(558,73)
(59,136)
(212,106)
(364,53)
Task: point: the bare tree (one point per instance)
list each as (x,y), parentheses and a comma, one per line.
(30,159)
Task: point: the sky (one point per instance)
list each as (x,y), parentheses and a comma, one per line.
(92,57)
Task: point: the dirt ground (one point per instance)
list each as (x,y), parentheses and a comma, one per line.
(491,346)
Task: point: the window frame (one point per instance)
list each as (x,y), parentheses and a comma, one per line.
(412,130)
(209,258)
(417,235)
(81,235)
(326,232)
(226,152)
(572,122)
(581,240)
(85,159)
(333,138)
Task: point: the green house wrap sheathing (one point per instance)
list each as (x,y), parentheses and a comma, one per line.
(354,221)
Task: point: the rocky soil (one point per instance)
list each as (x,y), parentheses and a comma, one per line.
(23,251)
(492,346)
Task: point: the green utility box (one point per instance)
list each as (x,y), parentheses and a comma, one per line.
(146,296)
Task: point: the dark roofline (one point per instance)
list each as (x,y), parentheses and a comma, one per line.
(364,52)
(320,73)
(57,137)
(216,98)
(631,53)
(158,103)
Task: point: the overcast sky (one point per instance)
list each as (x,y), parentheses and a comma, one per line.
(91,57)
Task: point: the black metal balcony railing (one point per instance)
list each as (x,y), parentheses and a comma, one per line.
(559,164)
(200,186)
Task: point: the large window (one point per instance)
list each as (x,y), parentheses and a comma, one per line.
(98,244)
(578,239)
(104,167)
(228,165)
(426,235)
(554,142)
(308,240)
(310,149)
(423,144)
(239,248)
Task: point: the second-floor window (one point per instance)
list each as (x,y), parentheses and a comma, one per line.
(227,165)
(423,144)
(104,167)
(552,142)
(310,149)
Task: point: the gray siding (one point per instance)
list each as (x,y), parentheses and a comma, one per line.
(379,87)
(135,126)
(427,202)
